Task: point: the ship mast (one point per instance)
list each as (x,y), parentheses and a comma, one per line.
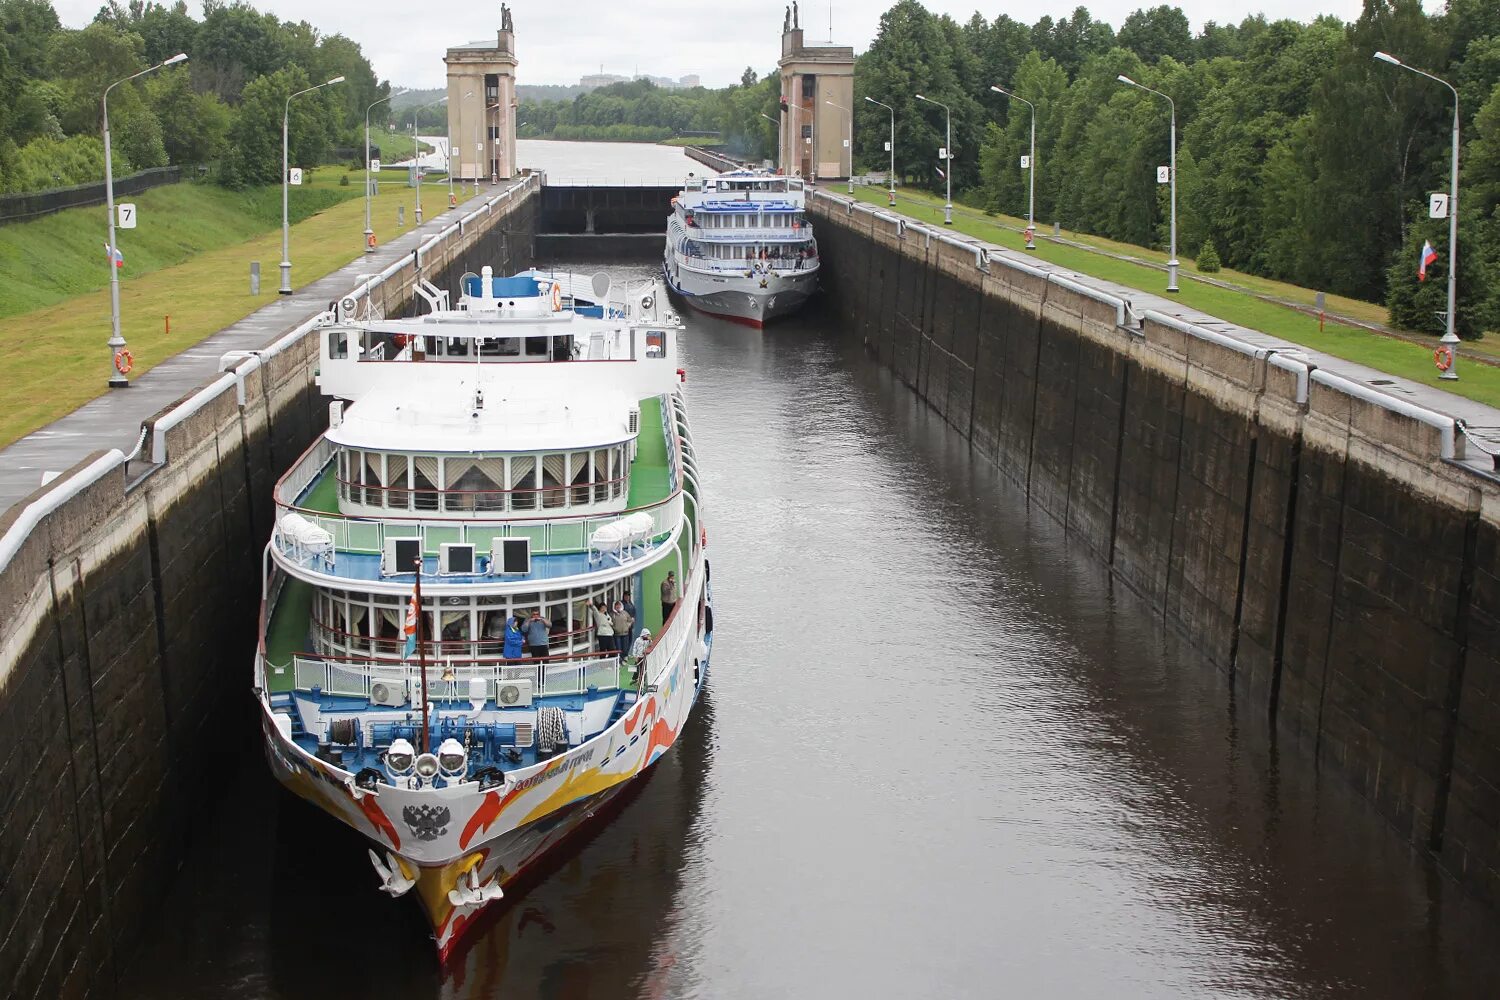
(422,656)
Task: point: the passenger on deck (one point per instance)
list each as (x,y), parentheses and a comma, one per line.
(536,635)
(669,595)
(623,621)
(604,629)
(638,650)
(514,641)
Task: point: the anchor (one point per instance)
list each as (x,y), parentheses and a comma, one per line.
(395,881)
(468,891)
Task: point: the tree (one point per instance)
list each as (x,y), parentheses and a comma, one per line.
(254,155)
(1208,258)
(200,122)
(1160,31)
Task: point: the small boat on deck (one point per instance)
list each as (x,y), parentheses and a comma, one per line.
(433,669)
(739,246)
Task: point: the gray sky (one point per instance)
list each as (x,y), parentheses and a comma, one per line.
(558,42)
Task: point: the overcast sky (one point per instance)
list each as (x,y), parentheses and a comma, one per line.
(558,42)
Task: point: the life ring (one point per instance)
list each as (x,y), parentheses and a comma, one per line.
(124,361)
(1443,358)
(556,297)
(370,241)
(702,537)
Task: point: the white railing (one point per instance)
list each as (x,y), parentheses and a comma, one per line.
(562,536)
(448,682)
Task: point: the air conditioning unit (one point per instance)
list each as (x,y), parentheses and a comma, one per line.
(400,556)
(455,559)
(635,420)
(388,693)
(513,694)
(510,556)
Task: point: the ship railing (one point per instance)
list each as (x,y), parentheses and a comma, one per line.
(749,234)
(710,265)
(449,680)
(417,499)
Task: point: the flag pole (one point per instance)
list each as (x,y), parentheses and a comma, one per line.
(421,656)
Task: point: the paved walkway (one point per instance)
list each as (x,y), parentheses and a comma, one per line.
(114,419)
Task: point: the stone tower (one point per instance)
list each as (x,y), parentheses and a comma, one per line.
(482,105)
(813,134)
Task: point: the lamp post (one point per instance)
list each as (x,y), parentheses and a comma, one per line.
(1450,336)
(1030,170)
(947,159)
(416,152)
(117,379)
(1172,170)
(776,163)
(369,243)
(849,118)
(891,146)
(286,237)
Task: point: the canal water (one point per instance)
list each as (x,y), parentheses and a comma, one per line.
(938,756)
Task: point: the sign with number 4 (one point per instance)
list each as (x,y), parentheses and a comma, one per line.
(126,211)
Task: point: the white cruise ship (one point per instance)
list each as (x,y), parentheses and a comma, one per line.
(434,667)
(739,246)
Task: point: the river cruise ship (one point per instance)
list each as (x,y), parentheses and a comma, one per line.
(739,246)
(447,660)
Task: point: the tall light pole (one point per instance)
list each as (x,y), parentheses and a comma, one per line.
(370,244)
(416,151)
(117,379)
(947,159)
(1172,170)
(775,163)
(286,230)
(1030,170)
(848,118)
(891,146)
(1450,336)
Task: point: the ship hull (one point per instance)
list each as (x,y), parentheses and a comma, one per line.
(753,301)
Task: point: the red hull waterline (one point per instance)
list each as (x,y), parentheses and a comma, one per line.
(753,324)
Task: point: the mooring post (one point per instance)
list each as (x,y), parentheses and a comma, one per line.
(255,277)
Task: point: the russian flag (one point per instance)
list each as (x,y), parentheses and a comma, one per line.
(410,628)
(115,255)
(1428,256)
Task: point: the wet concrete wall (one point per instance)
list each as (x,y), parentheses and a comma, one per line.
(128,614)
(1324,548)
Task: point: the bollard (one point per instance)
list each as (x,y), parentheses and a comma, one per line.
(1057,229)
(401,215)
(166,322)
(255,277)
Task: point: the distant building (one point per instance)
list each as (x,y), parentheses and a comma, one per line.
(596,80)
(812,133)
(691,80)
(482,104)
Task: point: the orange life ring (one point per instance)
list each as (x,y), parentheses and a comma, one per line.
(702,537)
(124,361)
(1443,358)
(370,240)
(556,297)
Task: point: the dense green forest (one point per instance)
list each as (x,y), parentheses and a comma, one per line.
(222,107)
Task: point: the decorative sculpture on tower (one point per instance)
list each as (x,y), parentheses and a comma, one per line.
(505,21)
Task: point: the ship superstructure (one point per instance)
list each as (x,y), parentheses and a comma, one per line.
(432,668)
(739,245)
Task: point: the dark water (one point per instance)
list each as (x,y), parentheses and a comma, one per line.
(938,757)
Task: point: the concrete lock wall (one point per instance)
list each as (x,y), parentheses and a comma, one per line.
(128,597)
(1316,540)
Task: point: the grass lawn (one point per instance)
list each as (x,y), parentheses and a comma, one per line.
(56,358)
(1390,354)
(394,144)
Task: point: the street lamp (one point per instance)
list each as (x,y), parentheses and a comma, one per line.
(369,243)
(286,237)
(948,158)
(1450,337)
(1172,170)
(777,161)
(416,151)
(1030,170)
(891,146)
(848,117)
(117,379)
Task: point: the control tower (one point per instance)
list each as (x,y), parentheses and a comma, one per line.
(813,134)
(482,105)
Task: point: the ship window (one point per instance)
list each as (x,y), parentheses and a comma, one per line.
(398,469)
(554,475)
(338,344)
(578,477)
(523,482)
(601,475)
(424,481)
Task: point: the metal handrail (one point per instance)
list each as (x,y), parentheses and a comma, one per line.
(483,500)
(449,681)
